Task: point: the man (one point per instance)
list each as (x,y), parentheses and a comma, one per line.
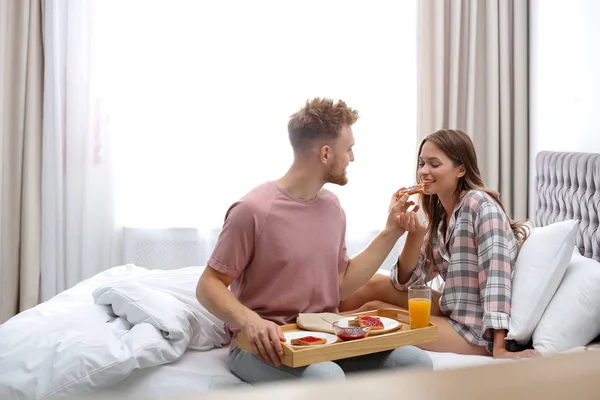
(282,249)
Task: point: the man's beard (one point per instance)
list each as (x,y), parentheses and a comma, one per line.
(335,176)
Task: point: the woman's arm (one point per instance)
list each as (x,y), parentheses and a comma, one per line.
(409,258)
(499,342)
(500,347)
(495,268)
(410,267)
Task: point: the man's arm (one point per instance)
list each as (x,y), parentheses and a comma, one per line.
(264,336)
(363,266)
(213,293)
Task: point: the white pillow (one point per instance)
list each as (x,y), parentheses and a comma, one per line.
(540,266)
(572,318)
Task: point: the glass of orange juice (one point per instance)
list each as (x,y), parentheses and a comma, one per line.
(419,306)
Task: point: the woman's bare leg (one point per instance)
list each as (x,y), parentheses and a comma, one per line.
(449,341)
(379,287)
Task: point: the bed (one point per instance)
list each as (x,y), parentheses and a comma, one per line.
(567,186)
(565,189)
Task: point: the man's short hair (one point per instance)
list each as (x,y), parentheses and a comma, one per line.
(319,121)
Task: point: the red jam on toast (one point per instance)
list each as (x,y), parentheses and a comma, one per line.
(374,322)
(418,188)
(308,341)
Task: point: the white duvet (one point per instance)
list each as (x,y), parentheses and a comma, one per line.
(76,343)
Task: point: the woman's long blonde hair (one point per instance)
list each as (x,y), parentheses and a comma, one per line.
(458,146)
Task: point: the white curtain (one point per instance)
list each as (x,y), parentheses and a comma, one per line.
(473,75)
(200,94)
(78,221)
(21,88)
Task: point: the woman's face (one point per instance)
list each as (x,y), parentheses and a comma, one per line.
(437,171)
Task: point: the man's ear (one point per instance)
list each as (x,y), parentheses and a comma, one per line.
(324,153)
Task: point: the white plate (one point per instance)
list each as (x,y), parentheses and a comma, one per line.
(388,325)
(295,335)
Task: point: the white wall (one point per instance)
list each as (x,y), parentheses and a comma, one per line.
(564,78)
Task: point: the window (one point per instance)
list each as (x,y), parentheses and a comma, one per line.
(202,92)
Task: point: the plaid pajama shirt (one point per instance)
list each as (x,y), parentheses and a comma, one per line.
(476,264)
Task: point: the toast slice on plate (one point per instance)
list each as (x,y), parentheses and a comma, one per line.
(308,341)
(374,322)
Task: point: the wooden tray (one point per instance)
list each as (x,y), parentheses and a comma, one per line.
(299,357)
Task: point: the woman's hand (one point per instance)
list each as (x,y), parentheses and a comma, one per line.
(515,355)
(410,221)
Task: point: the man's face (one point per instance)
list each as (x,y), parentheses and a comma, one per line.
(341,157)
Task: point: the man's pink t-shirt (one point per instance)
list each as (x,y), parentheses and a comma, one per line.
(284,253)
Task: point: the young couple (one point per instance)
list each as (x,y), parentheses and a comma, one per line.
(282,252)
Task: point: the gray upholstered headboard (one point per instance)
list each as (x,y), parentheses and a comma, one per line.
(568,187)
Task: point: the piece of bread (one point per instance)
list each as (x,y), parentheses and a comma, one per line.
(354,322)
(374,322)
(308,341)
(418,188)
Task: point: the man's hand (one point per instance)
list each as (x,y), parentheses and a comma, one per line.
(399,205)
(516,354)
(265,338)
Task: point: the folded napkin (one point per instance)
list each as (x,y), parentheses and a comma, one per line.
(319,322)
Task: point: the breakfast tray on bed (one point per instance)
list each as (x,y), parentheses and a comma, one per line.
(402,336)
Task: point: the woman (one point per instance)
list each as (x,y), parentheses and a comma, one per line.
(469,242)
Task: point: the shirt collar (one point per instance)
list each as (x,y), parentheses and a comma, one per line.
(442,237)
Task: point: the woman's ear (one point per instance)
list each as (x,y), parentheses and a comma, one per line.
(461,171)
